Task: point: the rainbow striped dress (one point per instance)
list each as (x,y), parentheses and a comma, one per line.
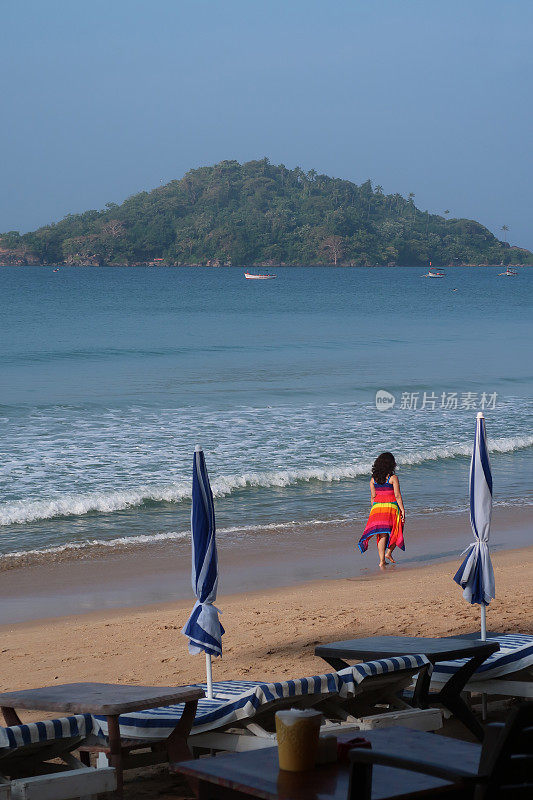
(384,517)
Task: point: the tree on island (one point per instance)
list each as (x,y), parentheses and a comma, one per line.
(333,246)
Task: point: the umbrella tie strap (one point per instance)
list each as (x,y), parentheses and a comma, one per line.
(469,547)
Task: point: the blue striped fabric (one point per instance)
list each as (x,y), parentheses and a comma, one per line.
(515,654)
(46,731)
(203,628)
(237,700)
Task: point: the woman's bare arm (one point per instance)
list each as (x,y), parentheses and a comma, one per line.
(372,490)
(398,495)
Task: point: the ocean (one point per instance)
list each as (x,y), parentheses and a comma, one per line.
(111,376)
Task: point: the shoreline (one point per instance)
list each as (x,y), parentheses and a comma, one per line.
(147,265)
(159,574)
(269,633)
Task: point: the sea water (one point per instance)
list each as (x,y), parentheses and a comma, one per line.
(111,376)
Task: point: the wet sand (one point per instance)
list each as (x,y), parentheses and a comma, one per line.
(160,573)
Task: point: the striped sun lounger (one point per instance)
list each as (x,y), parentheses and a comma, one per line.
(509,671)
(250,705)
(515,654)
(51,730)
(29,755)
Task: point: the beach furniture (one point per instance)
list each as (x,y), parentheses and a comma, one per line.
(507,672)
(203,628)
(257,775)
(500,769)
(476,575)
(27,771)
(473,651)
(106,702)
(240,716)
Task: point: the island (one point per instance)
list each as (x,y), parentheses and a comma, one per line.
(261,214)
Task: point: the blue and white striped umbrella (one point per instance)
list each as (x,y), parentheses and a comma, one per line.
(475,575)
(203,629)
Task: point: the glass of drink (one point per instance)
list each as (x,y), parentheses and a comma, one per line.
(297,733)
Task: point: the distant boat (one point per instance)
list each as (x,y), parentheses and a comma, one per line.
(509,273)
(56,270)
(433,273)
(251,277)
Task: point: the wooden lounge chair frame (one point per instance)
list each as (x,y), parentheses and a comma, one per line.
(376,692)
(27,772)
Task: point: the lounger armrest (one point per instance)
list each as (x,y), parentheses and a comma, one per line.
(386,759)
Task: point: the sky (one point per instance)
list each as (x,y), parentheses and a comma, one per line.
(99,100)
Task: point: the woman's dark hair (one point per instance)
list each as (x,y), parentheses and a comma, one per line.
(383,466)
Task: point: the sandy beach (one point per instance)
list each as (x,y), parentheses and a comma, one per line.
(270,633)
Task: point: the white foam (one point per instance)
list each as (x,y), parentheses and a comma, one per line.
(142,539)
(120,541)
(24,511)
(287,526)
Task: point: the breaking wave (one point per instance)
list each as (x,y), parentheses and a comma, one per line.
(95,547)
(79,549)
(70,505)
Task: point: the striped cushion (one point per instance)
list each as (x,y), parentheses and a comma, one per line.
(237,700)
(515,654)
(50,729)
(351,677)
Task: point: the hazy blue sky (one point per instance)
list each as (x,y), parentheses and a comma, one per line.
(102,99)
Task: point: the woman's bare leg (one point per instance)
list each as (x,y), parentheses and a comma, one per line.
(388,554)
(382,544)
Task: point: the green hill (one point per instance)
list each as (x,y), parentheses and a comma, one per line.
(260,214)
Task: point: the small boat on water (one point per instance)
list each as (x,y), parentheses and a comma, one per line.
(251,277)
(509,273)
(432,273)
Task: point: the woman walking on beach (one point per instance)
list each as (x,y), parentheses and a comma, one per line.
(387,515)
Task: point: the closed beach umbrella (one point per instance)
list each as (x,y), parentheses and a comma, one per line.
(203,629)
(475,575)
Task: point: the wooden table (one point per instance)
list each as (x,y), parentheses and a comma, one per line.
(443,649)
(256,773)
(110,700)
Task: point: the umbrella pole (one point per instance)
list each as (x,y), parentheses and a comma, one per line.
(483,638)
(209,673)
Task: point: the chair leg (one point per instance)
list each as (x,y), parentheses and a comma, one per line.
(115,752)
(176,744)
(10,715)
(460,710)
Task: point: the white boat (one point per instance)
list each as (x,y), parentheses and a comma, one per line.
(251,277)
(509,273)
(433,273)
